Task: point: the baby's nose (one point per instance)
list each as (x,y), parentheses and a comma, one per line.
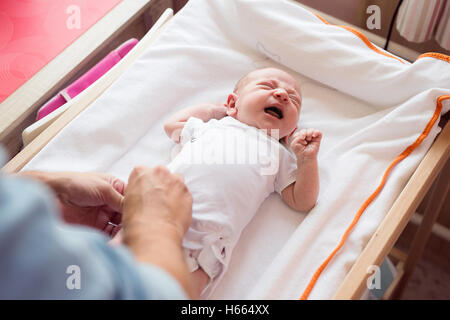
(281,94)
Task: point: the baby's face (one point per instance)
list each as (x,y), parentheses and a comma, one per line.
(268,99)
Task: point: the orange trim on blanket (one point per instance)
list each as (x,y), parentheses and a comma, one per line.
(369,200)
(363,38)
(370,45)
(399,158)
(435,55)
(323,20)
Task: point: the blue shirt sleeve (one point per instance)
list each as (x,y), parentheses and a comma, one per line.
(44,258)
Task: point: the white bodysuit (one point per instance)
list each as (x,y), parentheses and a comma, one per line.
(230,168)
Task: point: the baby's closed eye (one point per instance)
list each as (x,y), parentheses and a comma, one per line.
(267,85)
(294,99)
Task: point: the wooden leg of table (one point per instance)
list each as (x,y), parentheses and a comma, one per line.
(434,205)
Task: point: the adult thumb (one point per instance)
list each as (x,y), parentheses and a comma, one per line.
(113,198)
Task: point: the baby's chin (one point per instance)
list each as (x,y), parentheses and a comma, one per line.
(272,131)
(275,132)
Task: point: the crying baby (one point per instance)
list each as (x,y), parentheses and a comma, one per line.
(258,117)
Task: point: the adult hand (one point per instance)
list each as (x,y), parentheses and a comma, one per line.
(90,199)
(156,214)
(157,197)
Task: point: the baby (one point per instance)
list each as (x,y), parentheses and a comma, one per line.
(228,193)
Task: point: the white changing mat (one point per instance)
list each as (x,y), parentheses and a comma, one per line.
(370,107)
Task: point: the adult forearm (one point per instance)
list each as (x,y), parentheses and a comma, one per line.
(160,244)
(157,212)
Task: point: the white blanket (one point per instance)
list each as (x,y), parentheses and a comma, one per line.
(370,107)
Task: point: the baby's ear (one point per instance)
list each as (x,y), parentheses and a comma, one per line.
(231,105)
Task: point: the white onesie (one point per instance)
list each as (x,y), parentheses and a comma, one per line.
(230,168)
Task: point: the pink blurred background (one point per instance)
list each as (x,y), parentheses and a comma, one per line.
(33,32)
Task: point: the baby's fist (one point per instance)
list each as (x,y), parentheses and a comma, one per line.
(306,143)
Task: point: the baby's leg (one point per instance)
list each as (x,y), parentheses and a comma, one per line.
(200,279)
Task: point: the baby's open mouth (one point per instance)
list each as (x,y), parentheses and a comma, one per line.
(274,111)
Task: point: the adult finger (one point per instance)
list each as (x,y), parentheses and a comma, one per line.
(112,198)
(137,172)
(117,238)
(119,185)
(179,177)
(115,230)
(111,229)
(116,218)
(108,228)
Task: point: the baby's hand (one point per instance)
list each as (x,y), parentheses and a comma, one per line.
(306,143)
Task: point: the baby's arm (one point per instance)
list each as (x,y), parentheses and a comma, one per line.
(302,194)
(205,112)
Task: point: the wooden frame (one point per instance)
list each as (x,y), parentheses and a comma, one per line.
(380,244)
(383,240)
